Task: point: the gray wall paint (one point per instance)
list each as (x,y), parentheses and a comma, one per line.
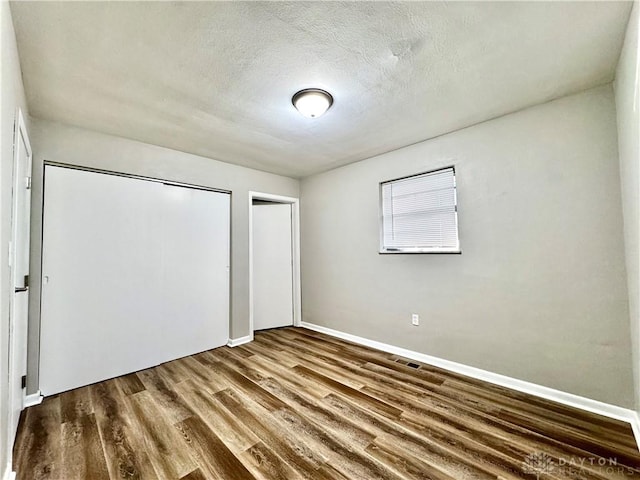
(12,98)
(627,94)
(539,292)
(55,142)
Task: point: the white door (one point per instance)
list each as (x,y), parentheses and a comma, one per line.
(19,272)
(272,266)
(135,273)
(195,269)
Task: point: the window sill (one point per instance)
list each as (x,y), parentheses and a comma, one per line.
(419,252)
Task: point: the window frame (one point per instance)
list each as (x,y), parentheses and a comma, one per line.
(418,250)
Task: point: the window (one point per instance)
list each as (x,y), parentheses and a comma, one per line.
(419,214)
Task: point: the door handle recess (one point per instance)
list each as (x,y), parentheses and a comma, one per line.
(21,289)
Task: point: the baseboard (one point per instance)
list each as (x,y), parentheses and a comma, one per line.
(235,342)
(33,399)
(9,475)
(583,403)
(635,426)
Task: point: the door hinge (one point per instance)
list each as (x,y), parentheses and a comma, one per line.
(27,182)
(24,381)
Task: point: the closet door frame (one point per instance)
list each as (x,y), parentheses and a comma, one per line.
(48,163)
(51,163)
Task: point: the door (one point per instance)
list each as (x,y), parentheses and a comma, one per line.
(19,265)
(272,265)
(135,273)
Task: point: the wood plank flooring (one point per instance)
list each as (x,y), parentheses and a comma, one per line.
(296,404)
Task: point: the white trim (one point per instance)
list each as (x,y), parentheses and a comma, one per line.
(635,426)
(33,399)
(235,342)
(295,241)
(9,475)
(576,401)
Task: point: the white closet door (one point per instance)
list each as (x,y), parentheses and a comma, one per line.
(195,238)
(116,252)
(272,266)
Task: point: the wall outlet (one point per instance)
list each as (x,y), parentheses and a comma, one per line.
(415,319)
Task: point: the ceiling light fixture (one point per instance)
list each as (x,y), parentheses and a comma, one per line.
(312,102)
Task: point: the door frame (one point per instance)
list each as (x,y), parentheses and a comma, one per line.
(295,243)
(20,134)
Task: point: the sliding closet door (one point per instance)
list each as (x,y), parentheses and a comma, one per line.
(195,269)
(135,273)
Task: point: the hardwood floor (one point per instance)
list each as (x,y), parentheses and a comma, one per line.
(295,404)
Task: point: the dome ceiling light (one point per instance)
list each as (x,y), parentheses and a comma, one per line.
(312,102)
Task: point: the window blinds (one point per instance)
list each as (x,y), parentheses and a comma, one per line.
(419,213)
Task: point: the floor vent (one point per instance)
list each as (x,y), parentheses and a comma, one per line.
(413,365)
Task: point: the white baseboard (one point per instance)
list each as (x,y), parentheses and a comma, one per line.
(583,403)
(235,342)
(635,426)
(9,475)
(33,399)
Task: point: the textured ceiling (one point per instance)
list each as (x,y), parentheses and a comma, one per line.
(216,78)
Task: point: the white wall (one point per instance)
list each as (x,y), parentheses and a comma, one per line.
(627,95)
(539,292)
(12,92)
(59,143)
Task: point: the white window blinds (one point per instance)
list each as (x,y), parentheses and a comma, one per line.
(419,213)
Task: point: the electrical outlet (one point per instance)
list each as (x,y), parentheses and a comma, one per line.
(415,319)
